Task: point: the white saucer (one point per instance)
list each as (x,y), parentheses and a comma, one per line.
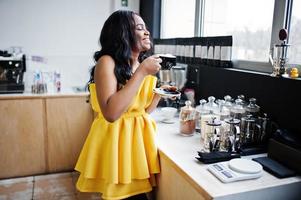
(245,166)
(161,92)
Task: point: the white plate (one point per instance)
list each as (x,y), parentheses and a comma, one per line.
(161,92)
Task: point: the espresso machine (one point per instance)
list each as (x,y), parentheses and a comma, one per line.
(12,68)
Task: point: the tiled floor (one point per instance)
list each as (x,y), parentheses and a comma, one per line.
(59,186)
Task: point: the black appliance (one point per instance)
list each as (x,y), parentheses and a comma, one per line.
(12,69)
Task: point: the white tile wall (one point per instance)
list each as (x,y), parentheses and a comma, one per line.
(63,32)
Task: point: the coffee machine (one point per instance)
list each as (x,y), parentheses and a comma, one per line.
(12,68)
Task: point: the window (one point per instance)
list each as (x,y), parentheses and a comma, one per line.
(295,34)
(177,18)
(254,25)
(249,21)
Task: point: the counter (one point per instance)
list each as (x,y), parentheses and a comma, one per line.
(44,95)
(184,177)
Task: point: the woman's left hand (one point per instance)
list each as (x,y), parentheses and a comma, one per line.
(171,88)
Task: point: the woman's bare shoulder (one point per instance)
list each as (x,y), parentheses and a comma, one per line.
(105,64)
(106,60)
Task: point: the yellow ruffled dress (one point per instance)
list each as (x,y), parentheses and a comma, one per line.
(120,159)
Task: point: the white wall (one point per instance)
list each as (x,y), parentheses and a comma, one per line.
(63,32)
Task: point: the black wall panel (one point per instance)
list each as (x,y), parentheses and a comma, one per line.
(279,97)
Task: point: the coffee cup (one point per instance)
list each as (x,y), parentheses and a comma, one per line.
(168,61)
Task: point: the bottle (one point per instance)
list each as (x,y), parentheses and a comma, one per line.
(34,86)
(57,81)
(187,119)
(37,82)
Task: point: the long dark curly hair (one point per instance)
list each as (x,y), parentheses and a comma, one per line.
(117,39)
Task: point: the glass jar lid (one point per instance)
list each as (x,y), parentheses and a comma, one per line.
(232,121)
(213,122)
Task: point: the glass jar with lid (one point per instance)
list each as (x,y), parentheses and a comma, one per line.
(237,111)
(228,101)
(242,97)
(187,119)
(231,141)
(211,105)
(222,112)
(201,111)
(252,108)
(212,134)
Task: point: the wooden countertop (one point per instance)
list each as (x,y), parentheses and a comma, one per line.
(180,151)
(45,95)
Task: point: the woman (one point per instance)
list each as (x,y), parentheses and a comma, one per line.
(119,158)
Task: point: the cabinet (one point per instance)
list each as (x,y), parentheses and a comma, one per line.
(22,137)
(68,123)
(42,134)
(173,183)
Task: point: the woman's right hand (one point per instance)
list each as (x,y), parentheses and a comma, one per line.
(150,65)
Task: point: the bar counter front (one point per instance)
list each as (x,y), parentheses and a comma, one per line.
(184,177)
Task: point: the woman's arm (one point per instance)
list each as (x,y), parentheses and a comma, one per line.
(154,103)
(157,98)
(113,103)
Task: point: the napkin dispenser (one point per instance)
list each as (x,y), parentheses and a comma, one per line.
(286,149)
